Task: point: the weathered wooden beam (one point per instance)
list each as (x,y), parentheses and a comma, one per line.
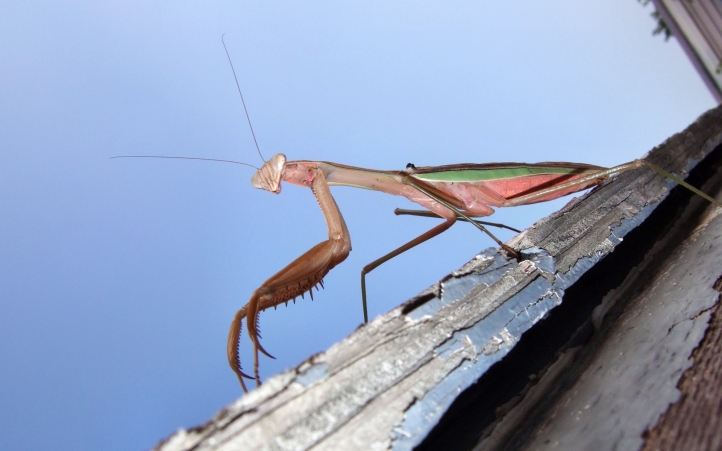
(450,367)
(649,305)
(695,420)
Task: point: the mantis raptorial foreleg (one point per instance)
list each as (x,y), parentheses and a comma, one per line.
(302,275)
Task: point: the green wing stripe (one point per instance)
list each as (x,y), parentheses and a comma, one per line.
(477,175)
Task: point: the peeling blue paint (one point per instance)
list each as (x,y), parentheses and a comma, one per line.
(313,374)
(628,224)
(511,319)
(455,288)
(541,259)
(499,319)
(493,337)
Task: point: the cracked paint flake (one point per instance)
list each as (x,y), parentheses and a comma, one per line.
(313,374)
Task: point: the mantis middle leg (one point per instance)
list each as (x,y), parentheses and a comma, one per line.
(450,220)
(415,242)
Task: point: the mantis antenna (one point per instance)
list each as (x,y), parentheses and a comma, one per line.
(242,101)
(185,158)
(214,159)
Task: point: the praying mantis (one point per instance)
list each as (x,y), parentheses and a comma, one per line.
(453,192)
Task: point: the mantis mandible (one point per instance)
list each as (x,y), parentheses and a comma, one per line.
(460,191)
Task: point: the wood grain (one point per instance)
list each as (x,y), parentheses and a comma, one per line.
(695,421)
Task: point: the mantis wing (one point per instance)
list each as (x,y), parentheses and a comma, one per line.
(500,183)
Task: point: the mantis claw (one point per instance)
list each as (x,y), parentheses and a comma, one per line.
(260,348)
(511,251)
(298,277)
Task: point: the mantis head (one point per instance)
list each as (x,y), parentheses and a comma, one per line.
(269,176)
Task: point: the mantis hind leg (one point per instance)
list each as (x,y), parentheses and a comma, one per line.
(678,180)
(478,224)
(413,243)
(426,236)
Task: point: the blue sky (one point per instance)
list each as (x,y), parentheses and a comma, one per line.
(119,278)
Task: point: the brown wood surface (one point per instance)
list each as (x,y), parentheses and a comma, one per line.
(695,421)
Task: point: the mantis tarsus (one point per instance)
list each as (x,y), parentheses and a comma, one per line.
(460,191)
